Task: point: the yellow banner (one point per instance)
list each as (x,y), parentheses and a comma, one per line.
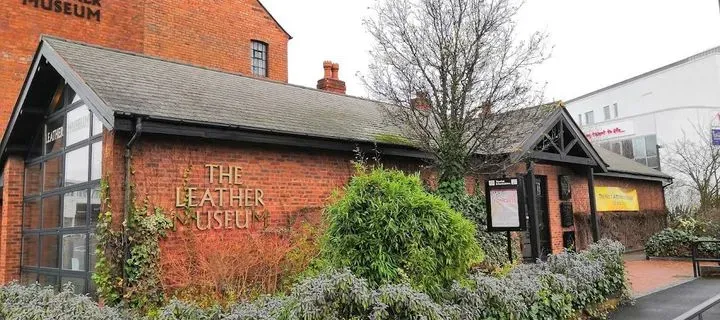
(616,199)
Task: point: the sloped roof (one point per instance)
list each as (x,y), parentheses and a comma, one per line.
(619,164)
(139,85)
(122,84)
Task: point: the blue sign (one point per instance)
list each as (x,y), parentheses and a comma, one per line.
(716,136)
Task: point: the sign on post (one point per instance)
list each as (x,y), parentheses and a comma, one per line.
(505,205)
(715,136)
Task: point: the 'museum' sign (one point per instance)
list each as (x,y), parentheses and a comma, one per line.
(84,9)
(616,199)
(233,206)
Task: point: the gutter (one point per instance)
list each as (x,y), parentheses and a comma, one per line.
(127,200)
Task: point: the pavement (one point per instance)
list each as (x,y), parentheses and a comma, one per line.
(648,276)
(672,302)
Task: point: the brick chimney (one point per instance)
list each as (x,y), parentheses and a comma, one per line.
(486,108)
(331,81)
(421,101)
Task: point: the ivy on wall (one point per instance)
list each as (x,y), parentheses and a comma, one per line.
(127,268)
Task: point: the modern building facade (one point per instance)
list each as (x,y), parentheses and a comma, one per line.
(641,117)
(247,154)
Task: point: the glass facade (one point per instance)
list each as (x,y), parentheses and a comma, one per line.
(643,149)
(62,196)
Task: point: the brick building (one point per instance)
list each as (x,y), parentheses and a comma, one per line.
(225,35)
(246,154)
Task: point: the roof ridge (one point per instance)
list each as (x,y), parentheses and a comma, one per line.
(687,59)
(142,55)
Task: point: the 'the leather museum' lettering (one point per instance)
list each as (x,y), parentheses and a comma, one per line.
(85,9)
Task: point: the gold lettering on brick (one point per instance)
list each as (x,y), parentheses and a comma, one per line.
(213,203)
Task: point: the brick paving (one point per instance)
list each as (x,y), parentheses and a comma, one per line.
(648,276)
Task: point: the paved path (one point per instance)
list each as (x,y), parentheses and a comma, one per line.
(647,276)
(672,302)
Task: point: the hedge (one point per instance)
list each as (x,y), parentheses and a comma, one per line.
(557,289)
(675,242)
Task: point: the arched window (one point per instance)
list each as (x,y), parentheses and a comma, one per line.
(62,195)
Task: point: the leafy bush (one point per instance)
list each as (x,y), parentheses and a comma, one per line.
(35,302)
(386,228)
(671,242)
(697,227)
(493,244)
(222,276)
(558,289)
(567,283)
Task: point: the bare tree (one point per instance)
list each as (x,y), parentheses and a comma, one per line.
(450,73)
(695,163)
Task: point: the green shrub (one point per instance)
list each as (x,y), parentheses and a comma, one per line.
(387,229)
(493,244)
(671,242)
(557,289)
(35,302)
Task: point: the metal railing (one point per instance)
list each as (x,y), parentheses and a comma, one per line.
(697,312)
(696,259)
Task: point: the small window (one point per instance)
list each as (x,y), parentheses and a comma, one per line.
(259,58)
(579,119)
(606,111)
(590,117)
(627,149)
(615,110)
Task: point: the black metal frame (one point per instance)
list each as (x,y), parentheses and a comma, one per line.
(507,185)
(90,186)
(696,259)
(265,60)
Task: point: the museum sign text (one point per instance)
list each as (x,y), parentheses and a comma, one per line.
(84,9)
(231,204)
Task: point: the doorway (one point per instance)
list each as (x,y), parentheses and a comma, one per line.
(541,205)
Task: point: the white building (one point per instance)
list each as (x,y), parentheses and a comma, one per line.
(635,116)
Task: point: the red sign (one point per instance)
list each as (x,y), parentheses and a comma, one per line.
(610,130)
(604,132)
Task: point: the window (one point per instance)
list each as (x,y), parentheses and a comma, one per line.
(643,150)
(606,111)
(62,197)
(579,119)
(259,58)
(590,117)
(615,110)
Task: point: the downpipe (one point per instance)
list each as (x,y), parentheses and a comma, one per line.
(127,199)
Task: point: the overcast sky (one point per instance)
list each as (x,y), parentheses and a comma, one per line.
(595,42)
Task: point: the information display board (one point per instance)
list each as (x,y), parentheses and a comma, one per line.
(505,204)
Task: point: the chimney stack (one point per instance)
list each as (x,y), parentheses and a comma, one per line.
(331,81)
(421,101)
(486,108)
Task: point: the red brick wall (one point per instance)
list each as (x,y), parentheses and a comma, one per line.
(291,179)
(216,34)
(208,33)
(630,228)
(11,219)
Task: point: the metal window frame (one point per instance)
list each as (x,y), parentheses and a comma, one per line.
(89,186)
(261,47)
